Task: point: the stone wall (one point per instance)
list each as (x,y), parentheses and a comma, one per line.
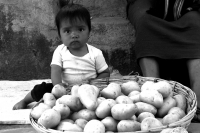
(28,36)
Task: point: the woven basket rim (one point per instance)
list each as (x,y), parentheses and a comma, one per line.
(184,122)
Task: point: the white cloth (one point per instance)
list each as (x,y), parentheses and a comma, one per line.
(78,69)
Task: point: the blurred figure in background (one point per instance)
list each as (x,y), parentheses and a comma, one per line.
(168,40)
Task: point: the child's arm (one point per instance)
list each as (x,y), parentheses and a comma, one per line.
(100,64)
(56,74)
(104,74)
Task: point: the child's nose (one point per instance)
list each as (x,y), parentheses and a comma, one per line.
(74,35)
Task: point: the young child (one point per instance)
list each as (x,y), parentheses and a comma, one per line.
(74,61)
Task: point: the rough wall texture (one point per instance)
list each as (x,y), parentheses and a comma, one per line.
(28,36)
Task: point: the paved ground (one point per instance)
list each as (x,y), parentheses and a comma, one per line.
(13,91)
(10,93)
(20,130)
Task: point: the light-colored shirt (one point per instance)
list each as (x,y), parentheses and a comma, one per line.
(78,69)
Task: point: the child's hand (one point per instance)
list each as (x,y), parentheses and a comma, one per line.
(20,105)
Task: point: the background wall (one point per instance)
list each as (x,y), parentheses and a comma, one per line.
(28,36)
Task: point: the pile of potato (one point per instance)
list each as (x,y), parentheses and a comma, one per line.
(125,107)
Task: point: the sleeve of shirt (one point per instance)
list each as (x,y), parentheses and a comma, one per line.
(100,62)
(57,58)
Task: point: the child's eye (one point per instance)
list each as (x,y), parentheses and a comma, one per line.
(67,31)
(81,29)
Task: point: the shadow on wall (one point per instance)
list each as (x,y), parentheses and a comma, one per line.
(23,54)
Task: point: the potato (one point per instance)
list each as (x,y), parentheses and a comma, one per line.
(72,102)
(129,86)
(84,114)
(170,118)
(88,96)
(164,88)
(133,93)
(145,107)
(128,126)
(67,120)
(67,126)
(144,115)
(94,126)
(59,90)
(110,124)
(64,110)
(123,99)
(104,108)
(100,99)
(150,123)
(112,91)
(177,110)
(74,90)
(122,94)
(178,130)
(49,99)
(152,97)
(111,102)
(96,89)
(160,119)
(167,130)
(135,98)
(181,101)
(168,103)
(134,118)
(148,85)
(50,118)
(38,110)
(57,101)
(174,130)
(123,111)
(81,122)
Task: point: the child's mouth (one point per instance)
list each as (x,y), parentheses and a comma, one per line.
(75,42)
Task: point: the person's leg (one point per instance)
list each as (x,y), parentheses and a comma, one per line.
(34,95)
(194,75)
(39,90)
(149,67)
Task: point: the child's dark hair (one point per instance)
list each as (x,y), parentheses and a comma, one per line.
(73,12)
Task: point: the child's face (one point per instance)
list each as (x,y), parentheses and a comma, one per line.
(75,35)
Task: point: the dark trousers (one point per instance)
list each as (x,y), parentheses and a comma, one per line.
(39,90)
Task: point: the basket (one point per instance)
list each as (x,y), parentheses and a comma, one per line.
(177,89)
